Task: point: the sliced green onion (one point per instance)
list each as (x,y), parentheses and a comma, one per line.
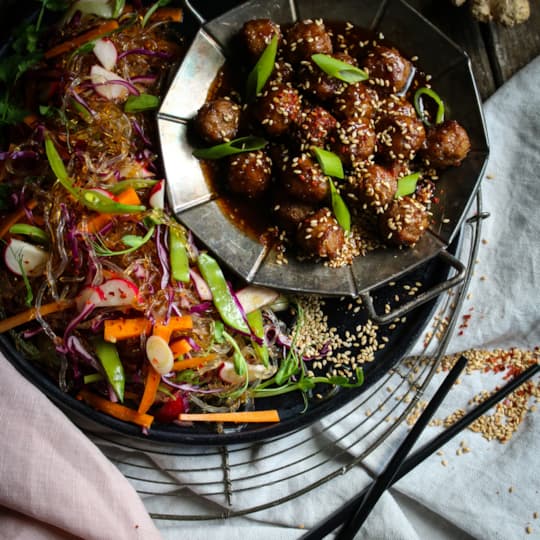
(140,103)
(135,183)
(55,161)
(34,233)
(118,8)
(341,212)
(406,185)
(236,146)
(329,162)
(152,9)
(262,70)
(419,106)
(339,69)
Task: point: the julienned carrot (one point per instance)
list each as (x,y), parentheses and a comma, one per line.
(180,347)
(71,44)
(175,323)
(31,314)
(115,409)
(193,362)
(167,14)
(120,329)
(153,379)
(270,415)
(128,196)
(15,218)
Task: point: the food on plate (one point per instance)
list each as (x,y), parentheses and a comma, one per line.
(102,287)
(352,137)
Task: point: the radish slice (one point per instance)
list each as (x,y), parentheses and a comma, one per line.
(201,286)
(89,295)
(105,52)
(157,196)
(255,297)
(228,374)
(32,258)
(159,354)
(100,76)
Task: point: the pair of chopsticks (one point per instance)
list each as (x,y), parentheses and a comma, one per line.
(351,515)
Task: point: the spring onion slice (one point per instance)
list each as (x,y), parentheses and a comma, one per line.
(140,103)
(262,70)
(419,106)
(339,69)
(236,146)
(341,212)
(406,185)
(34,233)
(329,162)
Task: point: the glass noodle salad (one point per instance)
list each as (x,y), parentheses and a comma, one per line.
(101,285)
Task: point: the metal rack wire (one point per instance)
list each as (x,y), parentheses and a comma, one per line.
(216,483)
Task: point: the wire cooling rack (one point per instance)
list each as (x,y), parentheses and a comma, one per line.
(209,483)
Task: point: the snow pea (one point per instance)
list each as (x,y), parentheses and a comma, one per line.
(255,320)
(107,354)
(178,256)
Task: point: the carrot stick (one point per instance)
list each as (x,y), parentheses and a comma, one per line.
(167,14)
(153,379)
(192,362)
(15,218)
(270,415)
(115,409)
(175,323)
(128,196)
(31,314)
(180,347)
(120,329)
(71,44)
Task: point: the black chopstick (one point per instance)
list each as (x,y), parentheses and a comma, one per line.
(345,511)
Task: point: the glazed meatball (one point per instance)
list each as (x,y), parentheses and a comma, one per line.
(283,72)
(315,81)
(354,140)
(320,235)
(388,68)
(217,121)
(306,38)
(374,188)
(396,106)
(400,137)
(447,145)
(249,173)
(303,179)
(404,222)
(289,214)
(257,34)
(313,127)
(356,101)
(277,108)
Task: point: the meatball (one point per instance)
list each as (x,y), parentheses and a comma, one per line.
(306,38)
(314,127)
(316,82)
(375,188)
(277,108)
(447,144)
(257,34)
(217,121)
(283,72)
(400,137)
(356,101)
(397,106)
(290,213)
(354,140)
(249,173)
(386,66)
(404,222)
(320,235)
(303,179)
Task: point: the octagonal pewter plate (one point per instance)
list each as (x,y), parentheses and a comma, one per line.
(196,206)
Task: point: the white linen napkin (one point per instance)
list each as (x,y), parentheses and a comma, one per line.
(57,484)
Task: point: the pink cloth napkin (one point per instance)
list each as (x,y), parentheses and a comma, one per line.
(55,483)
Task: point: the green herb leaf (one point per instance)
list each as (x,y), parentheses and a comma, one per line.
(420,109)
(34,233)
(329,162)
(236,146)
(339,69)
(140,103)
(341,212)
(262,70)
(406,185)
